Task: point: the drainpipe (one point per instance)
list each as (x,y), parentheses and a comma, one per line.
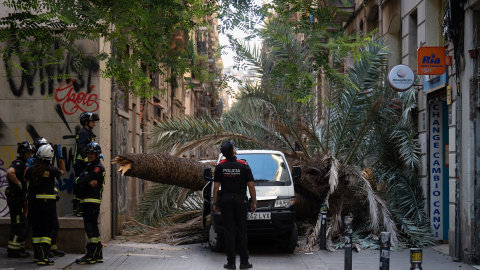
(458,127)
(113,154)
(380,20)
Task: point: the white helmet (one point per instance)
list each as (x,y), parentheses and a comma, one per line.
(45,152)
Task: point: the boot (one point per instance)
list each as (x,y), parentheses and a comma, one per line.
(58,253)
(79,209)
(35,253)
(245,265)
(99,253)
(18,254)
(55,252)
(75,203)
(89,257)
(23,251)
(43,259)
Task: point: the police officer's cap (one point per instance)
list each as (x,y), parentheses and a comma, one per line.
(227,148)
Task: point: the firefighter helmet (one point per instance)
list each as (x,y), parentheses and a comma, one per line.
(45,152)
(24,147)
(39,142)
(94,147)
(88,116)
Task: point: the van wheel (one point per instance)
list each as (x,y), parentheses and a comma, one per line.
(216,241)
(289,241)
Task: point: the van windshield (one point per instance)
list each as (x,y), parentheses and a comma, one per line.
(267,168)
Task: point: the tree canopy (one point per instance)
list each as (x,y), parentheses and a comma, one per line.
(144,36)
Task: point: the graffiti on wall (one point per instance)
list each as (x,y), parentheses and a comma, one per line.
(75,102)
(73,93)
(64,184)
(3,184)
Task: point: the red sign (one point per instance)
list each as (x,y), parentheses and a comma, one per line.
(431,60)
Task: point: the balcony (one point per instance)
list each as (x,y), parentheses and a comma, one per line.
(343,12)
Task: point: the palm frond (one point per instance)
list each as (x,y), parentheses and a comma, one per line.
(161,201)
(380,215)
(354,108)
(405,198)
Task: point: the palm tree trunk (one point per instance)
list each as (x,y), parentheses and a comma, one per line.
(186,173)
(164,169)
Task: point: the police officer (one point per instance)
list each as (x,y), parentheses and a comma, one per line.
(90,183)
(234,176)
(84,137)
(16,201)
(54,251)
(42,211)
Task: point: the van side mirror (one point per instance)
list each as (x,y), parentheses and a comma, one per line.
(296,173)
(207,174)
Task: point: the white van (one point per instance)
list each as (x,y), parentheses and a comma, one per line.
(275,215)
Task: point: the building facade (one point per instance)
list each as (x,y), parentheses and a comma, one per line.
(32,106)
(448,106)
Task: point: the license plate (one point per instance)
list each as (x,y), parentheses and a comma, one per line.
(259,216)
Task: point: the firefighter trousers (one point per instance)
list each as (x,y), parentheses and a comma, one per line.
(19,226)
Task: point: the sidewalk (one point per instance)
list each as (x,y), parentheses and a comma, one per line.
(129,255)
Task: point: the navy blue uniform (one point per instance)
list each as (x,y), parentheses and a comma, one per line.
(90,201)
(17,205)
(84,137)
(233,176)
(42,211)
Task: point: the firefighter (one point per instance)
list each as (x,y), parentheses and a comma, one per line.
(91,183)
(42,211)
(234,175)
(17,202)
(54,251)
(84,137)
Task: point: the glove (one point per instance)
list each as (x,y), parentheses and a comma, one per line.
(102,157)
(30,162)
(59,151)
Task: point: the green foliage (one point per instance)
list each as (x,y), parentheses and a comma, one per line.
(353,117)
(141,33)
(160,202)
(407,203)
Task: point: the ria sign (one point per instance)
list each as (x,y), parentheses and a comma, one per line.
(401,78)
(431,60)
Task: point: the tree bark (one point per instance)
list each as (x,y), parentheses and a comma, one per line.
(186,173)
(164,169)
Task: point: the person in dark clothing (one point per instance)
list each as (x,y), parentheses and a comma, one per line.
(234,176)
(84,137)
(42,211)
(16,201)
(54,251)
(91,183)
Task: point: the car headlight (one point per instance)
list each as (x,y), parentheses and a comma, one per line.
(284,203)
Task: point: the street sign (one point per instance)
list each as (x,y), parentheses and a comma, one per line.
(401,78)
(431,60)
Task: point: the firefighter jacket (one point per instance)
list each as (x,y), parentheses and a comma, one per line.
(84,137)
(93,171)
(233,176)
(19,166)
(45,189)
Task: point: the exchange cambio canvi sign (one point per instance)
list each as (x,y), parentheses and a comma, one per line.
(401,78)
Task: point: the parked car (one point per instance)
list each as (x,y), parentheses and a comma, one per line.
(275,215)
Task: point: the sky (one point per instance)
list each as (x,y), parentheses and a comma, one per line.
(227,53)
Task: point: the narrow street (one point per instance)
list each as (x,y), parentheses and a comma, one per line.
(130,255)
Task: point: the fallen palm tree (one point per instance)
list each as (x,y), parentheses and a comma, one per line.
(339,188)
(361,125)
